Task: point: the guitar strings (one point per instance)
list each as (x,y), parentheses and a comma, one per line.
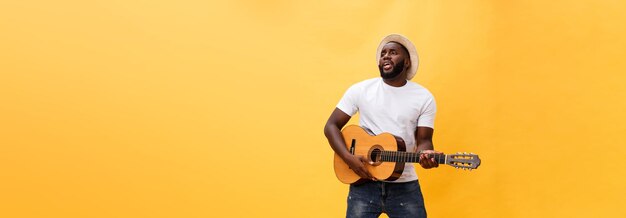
(403,156)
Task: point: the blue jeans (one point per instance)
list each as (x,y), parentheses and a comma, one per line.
(370,199)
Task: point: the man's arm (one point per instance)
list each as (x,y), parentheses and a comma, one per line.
(332,130)
(424,139)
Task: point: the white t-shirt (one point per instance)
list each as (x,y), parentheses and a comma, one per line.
(396,110)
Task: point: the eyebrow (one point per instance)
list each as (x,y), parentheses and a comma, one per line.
(401,48)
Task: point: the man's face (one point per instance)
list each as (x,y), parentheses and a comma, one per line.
(391,61)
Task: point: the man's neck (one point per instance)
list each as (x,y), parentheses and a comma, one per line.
(398,81)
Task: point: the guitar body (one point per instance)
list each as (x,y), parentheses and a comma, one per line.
(367,145)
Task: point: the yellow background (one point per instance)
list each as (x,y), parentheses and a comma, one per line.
(216,109)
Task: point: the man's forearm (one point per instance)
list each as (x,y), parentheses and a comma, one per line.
(335,139)
(425,146)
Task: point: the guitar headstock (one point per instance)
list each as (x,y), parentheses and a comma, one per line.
(463,160)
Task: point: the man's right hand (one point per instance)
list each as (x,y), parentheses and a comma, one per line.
(332,131)
(357,164)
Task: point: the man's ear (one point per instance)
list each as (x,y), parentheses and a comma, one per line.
(407,63)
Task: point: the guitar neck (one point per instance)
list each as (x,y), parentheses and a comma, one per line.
(409,157)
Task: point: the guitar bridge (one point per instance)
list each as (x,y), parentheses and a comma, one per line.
(352,146)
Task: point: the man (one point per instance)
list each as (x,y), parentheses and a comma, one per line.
(395,105)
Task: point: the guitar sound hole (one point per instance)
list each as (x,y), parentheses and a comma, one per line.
(375,155)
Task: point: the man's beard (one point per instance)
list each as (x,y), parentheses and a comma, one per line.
(397,69)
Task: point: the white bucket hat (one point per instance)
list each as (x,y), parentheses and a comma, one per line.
(408,45)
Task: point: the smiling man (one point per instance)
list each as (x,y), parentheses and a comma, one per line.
(393,104)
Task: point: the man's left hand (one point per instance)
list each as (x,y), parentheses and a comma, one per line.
(427,160)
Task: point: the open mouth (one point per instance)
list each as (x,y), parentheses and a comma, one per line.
(387,65)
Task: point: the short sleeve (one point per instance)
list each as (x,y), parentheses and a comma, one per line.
(349,102)
(427,115)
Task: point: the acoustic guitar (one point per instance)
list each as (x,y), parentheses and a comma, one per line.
(387,155)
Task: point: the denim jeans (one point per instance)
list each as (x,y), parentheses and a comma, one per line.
(370,199)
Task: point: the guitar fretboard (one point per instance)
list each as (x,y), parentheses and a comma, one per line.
(407,157)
